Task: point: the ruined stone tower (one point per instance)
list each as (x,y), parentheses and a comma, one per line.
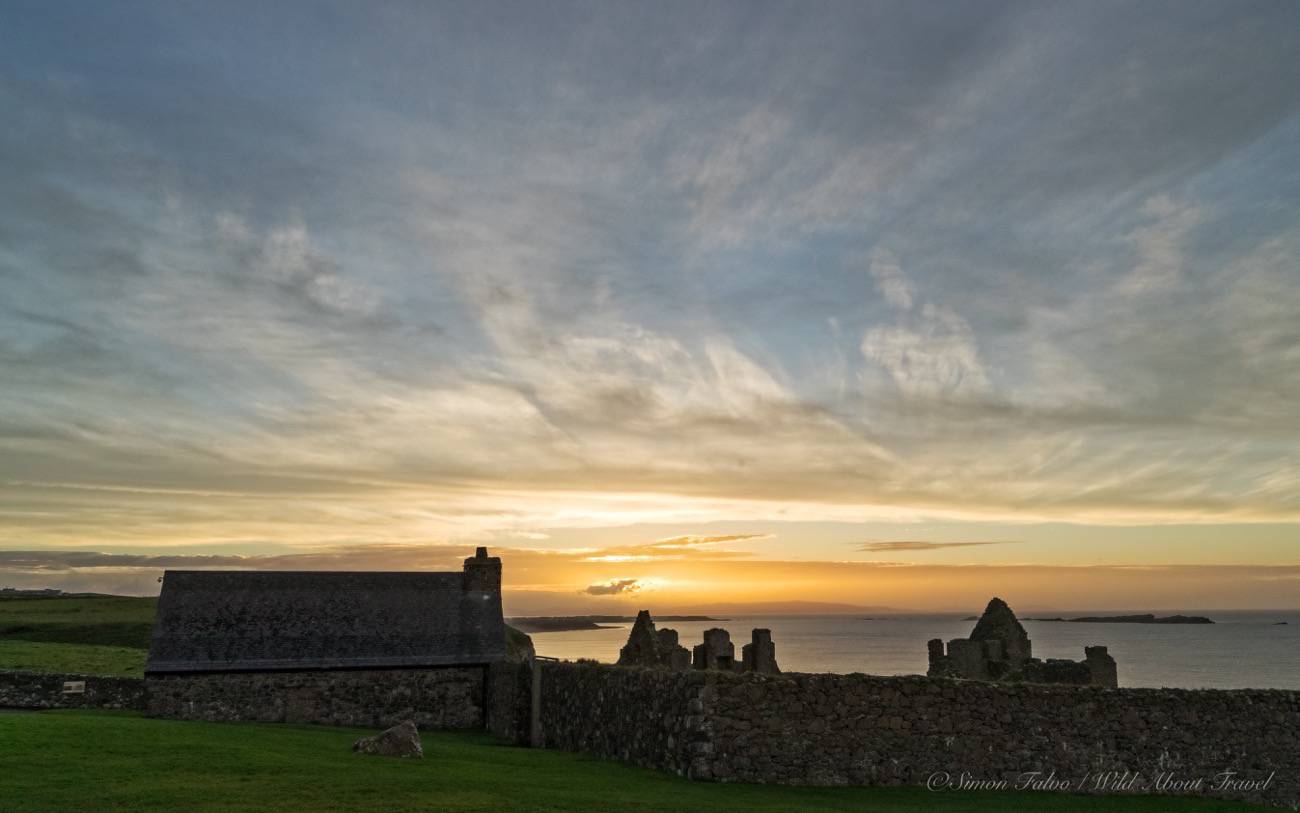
(716,652)
(999,649)
(759,655)
(647,646)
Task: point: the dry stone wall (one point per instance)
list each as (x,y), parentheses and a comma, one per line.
(41,690)
(449,697)
(950,734)
(648,717)
(509,700)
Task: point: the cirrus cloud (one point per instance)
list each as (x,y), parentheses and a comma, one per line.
(911,545)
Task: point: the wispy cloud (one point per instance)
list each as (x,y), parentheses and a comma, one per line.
(1160,245)
(677,547)
(912,545)
(693,541)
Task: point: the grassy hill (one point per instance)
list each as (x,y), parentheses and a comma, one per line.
(100,620)
(97,635)
(58,761)
(85,659)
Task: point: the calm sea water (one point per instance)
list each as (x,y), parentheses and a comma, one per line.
(1241,650)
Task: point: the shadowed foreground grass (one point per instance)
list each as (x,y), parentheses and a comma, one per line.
(66,760)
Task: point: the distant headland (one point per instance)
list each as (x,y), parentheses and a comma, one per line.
(1144,618)
(571,623)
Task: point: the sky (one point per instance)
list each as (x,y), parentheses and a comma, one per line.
(900,304)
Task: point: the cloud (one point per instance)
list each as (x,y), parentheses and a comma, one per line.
(590,291)
(1160,244)
(368,556)
(613,588)
(688,541)
(345,557)
(909,545)
(932,353)
(888,274)
(677,547)
(286,260)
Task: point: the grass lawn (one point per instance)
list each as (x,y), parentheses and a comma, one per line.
(123,621)
(72,760)
(89,659)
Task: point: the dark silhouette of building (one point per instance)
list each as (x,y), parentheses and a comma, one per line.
(312,646)
(999,649)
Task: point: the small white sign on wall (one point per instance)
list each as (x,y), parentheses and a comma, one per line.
(74,687)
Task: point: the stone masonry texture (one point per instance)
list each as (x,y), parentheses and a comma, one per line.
(450,698)
(40,690)
(823,729)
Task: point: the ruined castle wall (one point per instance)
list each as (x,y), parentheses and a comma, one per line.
(41,690)
(857,729)
(447,698)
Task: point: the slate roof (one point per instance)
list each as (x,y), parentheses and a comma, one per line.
(277,620)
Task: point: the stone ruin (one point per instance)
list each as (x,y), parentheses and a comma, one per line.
(647,646)
(716,651)
(999,649)
(759,655)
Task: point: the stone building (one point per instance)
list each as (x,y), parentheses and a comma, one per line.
(343,648)
(999,649)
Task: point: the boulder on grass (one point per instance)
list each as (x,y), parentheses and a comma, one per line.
(402,740)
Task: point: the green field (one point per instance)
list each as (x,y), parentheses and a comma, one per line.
(94,635)
(86,659)
(65,760)
(101,620)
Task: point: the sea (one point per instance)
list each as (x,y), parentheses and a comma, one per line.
(1242,649)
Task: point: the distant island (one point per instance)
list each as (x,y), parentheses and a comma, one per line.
(1145,618)
(571,623)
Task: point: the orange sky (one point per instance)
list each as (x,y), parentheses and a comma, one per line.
(696,573)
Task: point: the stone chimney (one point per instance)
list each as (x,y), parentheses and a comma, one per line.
(482,573)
